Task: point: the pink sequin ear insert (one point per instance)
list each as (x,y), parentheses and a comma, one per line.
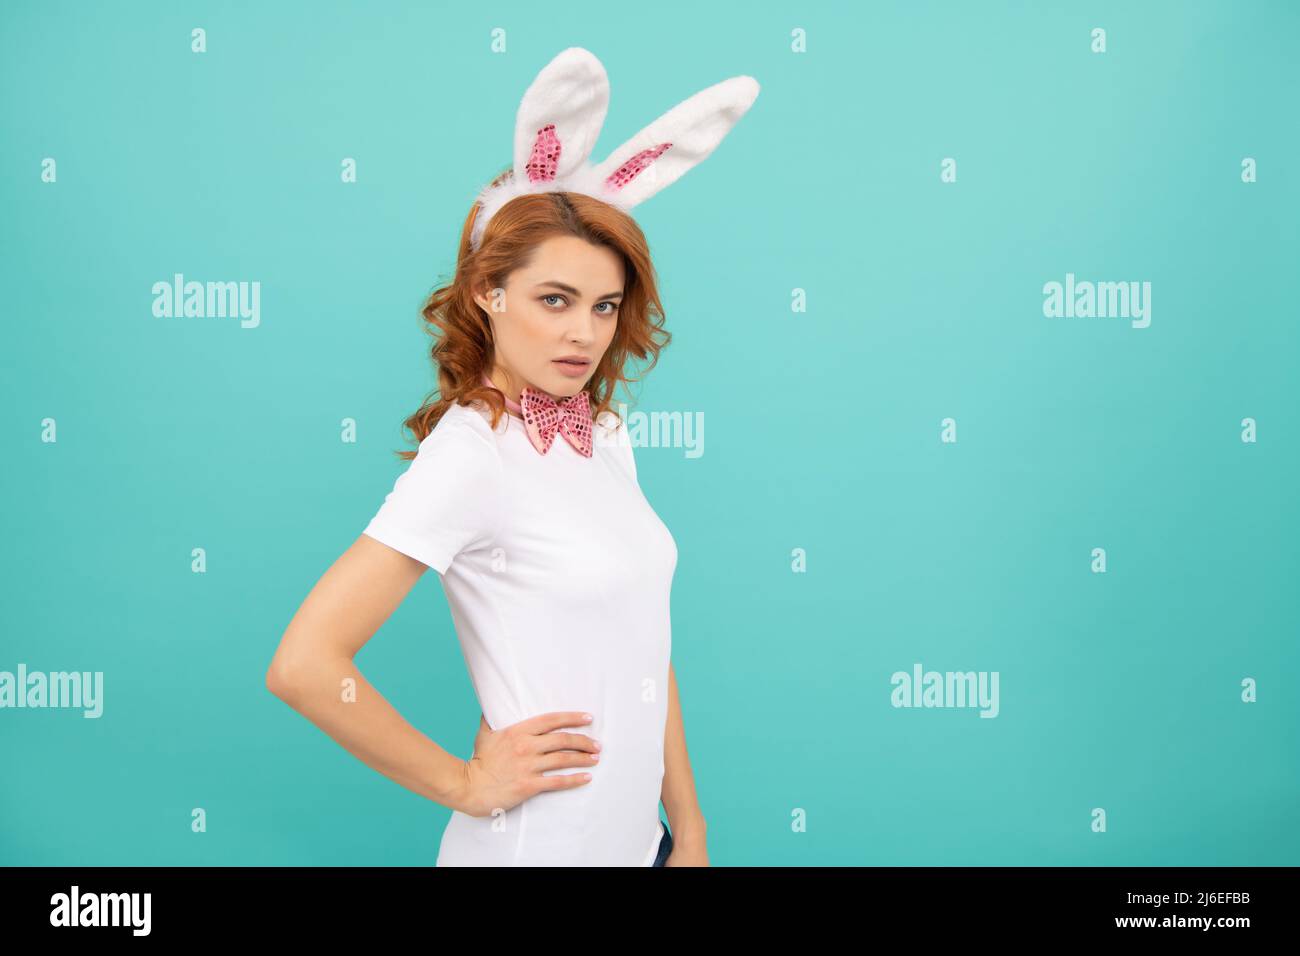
(545,158)
(628,171)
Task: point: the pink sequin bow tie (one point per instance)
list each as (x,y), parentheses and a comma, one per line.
(544,416)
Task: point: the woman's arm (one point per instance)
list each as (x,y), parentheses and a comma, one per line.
(685,818)
(313,671)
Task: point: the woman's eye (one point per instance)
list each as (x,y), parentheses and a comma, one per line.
(613,306)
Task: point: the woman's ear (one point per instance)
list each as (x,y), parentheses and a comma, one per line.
(478,290)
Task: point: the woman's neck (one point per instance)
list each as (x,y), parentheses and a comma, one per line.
(512,404)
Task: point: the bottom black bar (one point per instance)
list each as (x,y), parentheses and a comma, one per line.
(213,904)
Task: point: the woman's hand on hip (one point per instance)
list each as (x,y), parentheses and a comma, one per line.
(507,765)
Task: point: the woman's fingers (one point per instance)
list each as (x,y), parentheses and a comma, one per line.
(542,735)
(562,760)
(525,750)
(554,720)
(565,758)
(560,781)
(550,742)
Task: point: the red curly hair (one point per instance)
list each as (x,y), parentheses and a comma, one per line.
(462,348)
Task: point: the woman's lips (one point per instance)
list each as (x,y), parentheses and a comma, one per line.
(572,369)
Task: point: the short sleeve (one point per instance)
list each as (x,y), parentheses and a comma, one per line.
(448,499)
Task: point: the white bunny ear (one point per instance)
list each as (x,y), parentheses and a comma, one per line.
(677,141)
(560,117)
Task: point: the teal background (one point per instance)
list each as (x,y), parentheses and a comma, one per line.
(1118,690)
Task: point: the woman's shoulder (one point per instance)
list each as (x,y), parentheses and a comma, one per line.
(462,425)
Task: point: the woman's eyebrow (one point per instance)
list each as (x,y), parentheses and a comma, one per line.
(572,291)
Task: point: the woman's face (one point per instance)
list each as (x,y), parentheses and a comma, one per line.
(563,304)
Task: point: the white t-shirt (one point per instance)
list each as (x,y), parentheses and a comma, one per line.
(558,573)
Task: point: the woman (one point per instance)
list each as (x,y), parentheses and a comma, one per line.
(523,496)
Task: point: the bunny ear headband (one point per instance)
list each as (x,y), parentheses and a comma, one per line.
(561,115)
